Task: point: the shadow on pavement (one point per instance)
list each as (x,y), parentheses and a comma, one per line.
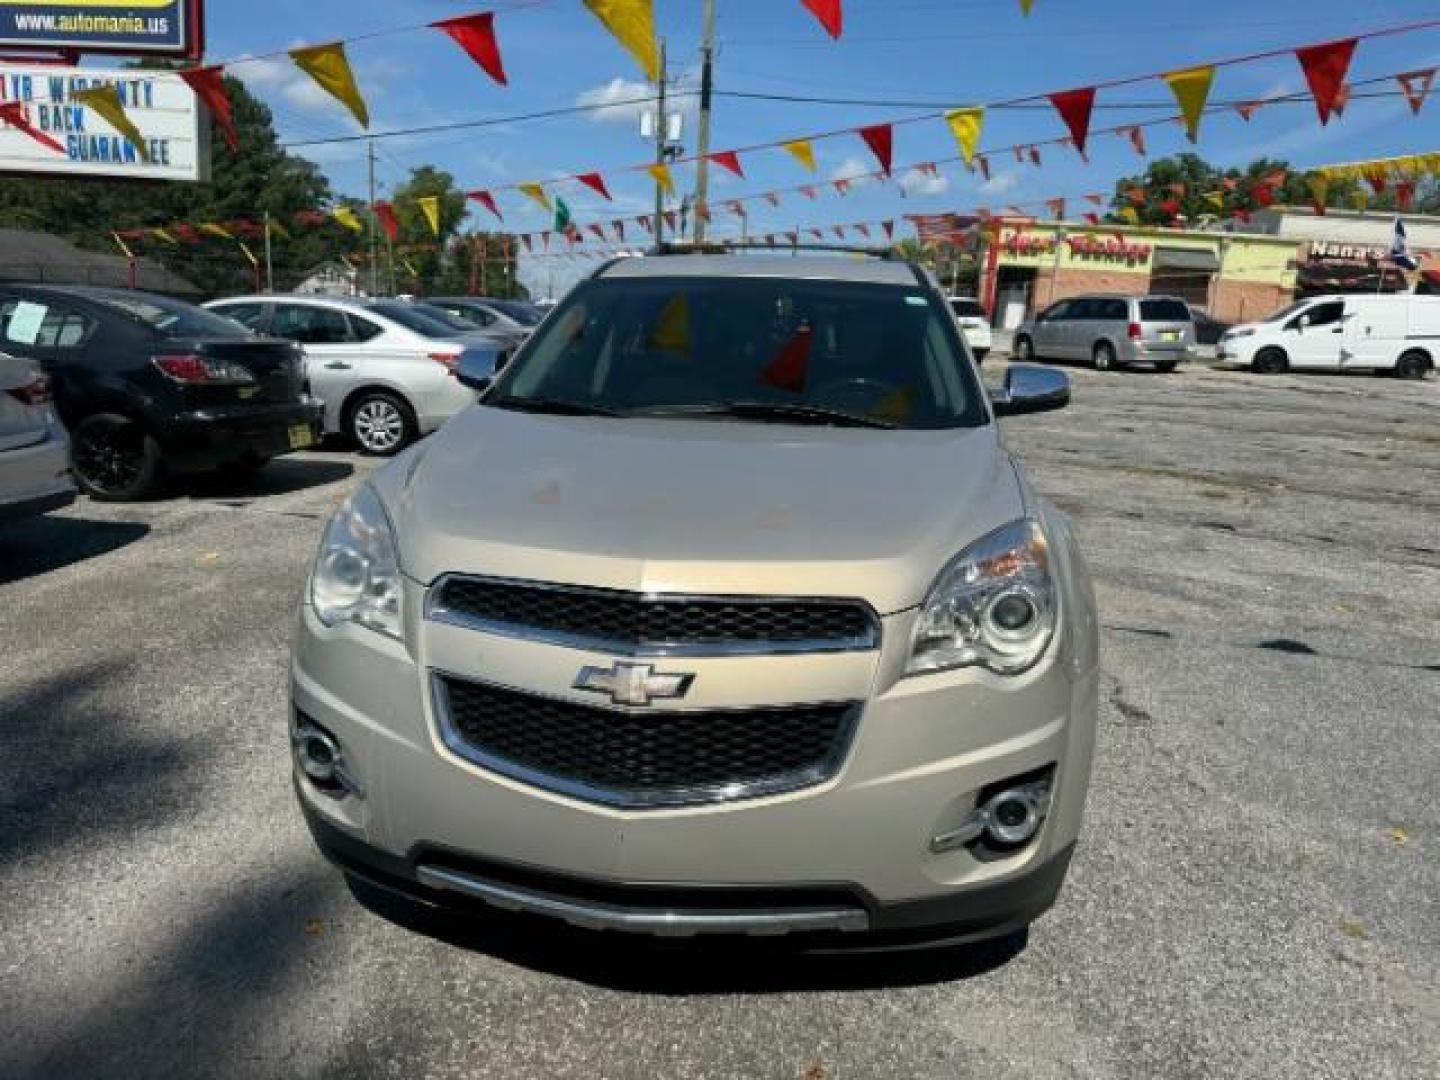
(639,964)
(43,544)
(76,767)
(281,477)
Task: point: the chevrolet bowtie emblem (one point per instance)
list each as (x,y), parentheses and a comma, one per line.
(633,684)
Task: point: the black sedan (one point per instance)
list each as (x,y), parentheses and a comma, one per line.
(148,384)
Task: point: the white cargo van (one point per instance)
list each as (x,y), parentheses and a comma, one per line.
(1399,333)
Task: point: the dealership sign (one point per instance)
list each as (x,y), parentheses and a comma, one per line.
(173,126)
(139,27)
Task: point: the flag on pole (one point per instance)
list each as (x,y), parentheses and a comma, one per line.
(1400,248)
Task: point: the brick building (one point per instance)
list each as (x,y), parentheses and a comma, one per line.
(1029,264)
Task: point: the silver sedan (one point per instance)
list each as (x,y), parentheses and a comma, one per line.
(34,450)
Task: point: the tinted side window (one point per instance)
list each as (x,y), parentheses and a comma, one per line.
(967,309)
(1115,310)
(1164,311)
(1057,311)
(1327,314)
(363,329)
(43,325)
(310,325)
(1085,309)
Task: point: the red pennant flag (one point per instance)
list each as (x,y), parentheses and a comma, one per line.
(793,237)
(984,163)
(1247,110)
(889,227)
(188,234)
(619,226)
(1264,194)
(598,230)
(1325,67)
(1137,139)
(1415,85)
(1091,218)
(773,198)
(1035,156)
(1241,214)
(1170,207)
(13,113)
(787,370)
(842,186)
(839,231)
(1404,194)
(810,191)
(385,214)
(476,35)
(829,13)
(1019,155)
(669,216)
(881,140)
(645,223)
(929,168)
(1074,107)
(817,234)
(1376,179)
(863,230)
(737,208)
(485,199)
(525,239)
(1056,207)
(1097,200)
(596,183)
(209,86)
(729,160)
(1136,195)
(545,239)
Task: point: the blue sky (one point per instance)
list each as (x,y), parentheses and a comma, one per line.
(935,51)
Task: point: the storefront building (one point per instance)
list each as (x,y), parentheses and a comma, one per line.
(1029,265)
(1349,251)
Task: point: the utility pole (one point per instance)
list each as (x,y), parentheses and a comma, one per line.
(662,126)
(269,262)
(702,149)
(374,226)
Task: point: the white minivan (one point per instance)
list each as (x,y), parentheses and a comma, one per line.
(1398,333)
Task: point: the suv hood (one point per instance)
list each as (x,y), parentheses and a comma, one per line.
(697,506)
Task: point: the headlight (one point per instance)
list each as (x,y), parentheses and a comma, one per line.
(994,605)
(357,576)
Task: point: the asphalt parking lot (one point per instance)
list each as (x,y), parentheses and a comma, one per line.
(1257,893)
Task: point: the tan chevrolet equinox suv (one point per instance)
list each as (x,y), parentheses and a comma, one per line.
(724,610)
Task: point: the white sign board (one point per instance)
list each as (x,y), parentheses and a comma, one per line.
(174,125)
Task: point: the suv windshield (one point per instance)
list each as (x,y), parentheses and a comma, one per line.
(420,319)
(173,318)
(797,351)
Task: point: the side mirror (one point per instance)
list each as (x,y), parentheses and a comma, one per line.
(477,368)
(1029,388)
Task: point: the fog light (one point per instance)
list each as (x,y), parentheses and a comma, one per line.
(321,759)
(1008,815)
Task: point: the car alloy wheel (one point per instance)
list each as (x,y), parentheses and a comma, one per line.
(380,426)
(113,458)
(1104,356)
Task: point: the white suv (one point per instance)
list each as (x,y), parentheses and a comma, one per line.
(974,324)
(759,629)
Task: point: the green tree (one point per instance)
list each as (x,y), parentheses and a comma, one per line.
(1186,186)
(417,243)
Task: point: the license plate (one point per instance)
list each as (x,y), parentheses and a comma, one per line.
(301,436)
(1170,335)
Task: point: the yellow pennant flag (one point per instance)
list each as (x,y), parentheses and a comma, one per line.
(346,216)
(276,229)
(430,207)
(1191,89)
(661,173)
(105,100)
(122,246)
(410,267)
(1215,199)
(633,24)
(328,66)
(1025,6)
(161,234)
(1128,213)
(803,152)
(965,125)
(1361,200)
(248,254)
(1319,185)
(216,230)
(536,192)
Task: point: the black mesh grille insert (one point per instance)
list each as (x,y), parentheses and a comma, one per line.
(631,620)
(647,757)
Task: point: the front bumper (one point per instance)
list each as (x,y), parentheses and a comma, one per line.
(925,748)
(207,439)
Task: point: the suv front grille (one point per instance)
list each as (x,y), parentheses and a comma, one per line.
(613,621)
(643,758)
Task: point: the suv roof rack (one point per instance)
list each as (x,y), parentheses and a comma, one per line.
(722,247)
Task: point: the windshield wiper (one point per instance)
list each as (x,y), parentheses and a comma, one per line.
(777,411)
(553,406)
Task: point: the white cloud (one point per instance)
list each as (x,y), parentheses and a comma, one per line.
(855,169)
(915,182)
(1001,182)
(617,90)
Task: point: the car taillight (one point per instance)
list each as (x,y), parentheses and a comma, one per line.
(40,391)
(1135,332)
(449,360)
(203,370)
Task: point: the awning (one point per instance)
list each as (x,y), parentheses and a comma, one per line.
(1169,258)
